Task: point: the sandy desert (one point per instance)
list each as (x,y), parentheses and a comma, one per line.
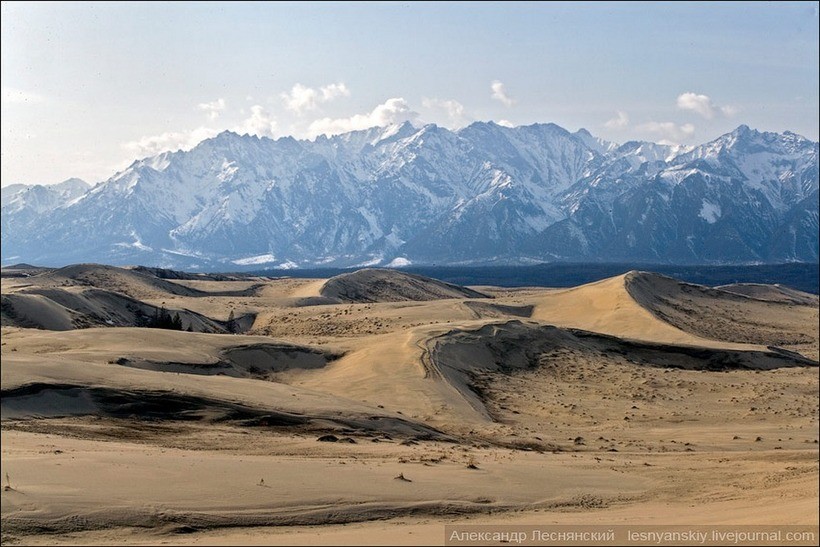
(378,406)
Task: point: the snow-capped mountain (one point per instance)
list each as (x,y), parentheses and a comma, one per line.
(402,194)
(24,205)
(41,198)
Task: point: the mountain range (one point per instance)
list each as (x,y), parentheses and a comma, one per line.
(405,195)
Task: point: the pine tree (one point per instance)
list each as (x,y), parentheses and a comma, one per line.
(162,319)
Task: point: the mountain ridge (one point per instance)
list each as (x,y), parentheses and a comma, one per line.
(404,195)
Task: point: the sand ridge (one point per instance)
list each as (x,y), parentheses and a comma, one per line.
(607,400)
(380,285)
(771,293)
(725,315)
(607,307)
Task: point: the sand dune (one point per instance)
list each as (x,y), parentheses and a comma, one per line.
(80,383)
(176,275)
(374,285)
(772,293)
(630,400)
(23,266)
(78,307)
(140,282)
(657,308)
(21,270)
(129,282)
(607,307)
(43,400)
(461,355)
(389,371)
(484,310)
(263,361)
(727,316)
(38,312)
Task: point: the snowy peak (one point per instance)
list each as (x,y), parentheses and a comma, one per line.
(642,151)
(41,198)
(597,144)
(11,190)
(404,194)
(782,167)
(71,188)
(356,142)
(746,141)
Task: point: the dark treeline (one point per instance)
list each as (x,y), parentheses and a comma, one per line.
(800,276)
(162,319)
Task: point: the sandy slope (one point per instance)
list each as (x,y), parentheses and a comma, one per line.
(771,293)
(725,315)
(376,285)
(79,307)
(652,307)
(607,307)
(130,282)
(634,399)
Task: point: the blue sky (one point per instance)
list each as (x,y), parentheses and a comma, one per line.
(89,87)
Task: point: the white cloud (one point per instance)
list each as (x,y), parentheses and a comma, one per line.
(392,111)
(505,123)
(302,98)
(703,105)
(500,93)
(729,110)
(453,110)
(260,123)
(619,122)
(12,95)
(172,140)
(331,91)
(669,131)
(213,108)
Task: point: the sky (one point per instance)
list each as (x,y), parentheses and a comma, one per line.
(87,88)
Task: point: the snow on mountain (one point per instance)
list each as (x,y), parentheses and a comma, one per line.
(728,200)
(403,194)
(595,143)
(41,198)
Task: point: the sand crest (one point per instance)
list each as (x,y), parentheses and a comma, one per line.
(635,399)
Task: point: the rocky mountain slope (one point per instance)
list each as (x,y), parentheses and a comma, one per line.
(402,195)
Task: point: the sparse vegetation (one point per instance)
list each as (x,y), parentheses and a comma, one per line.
(231,324)
(162,319)
(561,402)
